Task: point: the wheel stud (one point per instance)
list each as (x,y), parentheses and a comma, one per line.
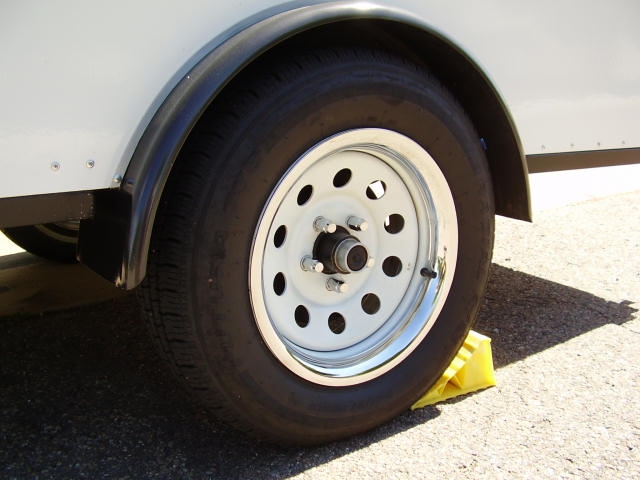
(337,286)
(356,223)
(321,224)
(310,264)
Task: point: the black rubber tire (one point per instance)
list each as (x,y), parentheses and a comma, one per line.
(196,297)
(53,241)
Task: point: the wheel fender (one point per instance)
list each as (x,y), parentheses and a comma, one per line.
(124,218)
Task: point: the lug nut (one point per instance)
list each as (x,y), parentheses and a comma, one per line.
(356,223)
(310,264)
(337,286)
(321,224)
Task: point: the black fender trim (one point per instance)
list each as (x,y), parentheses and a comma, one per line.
(158,148)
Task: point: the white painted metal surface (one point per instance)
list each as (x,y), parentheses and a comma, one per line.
(80,80)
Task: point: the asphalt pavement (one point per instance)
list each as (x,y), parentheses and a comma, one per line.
(83,395)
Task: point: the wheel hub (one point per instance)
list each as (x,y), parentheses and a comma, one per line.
(340,252)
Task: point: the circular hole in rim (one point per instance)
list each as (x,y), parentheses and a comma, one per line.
(392,266)
(337,323)
(394,223)
(301,316)
(376,190)
(342,178)
(305,194)
(280,236)
(370,303)
(279,283)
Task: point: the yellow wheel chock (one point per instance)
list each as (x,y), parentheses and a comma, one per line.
(470,370)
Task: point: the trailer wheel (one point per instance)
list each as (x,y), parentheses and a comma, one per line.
(53,241)
(322,246)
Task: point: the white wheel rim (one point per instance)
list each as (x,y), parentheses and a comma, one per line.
(392,183)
